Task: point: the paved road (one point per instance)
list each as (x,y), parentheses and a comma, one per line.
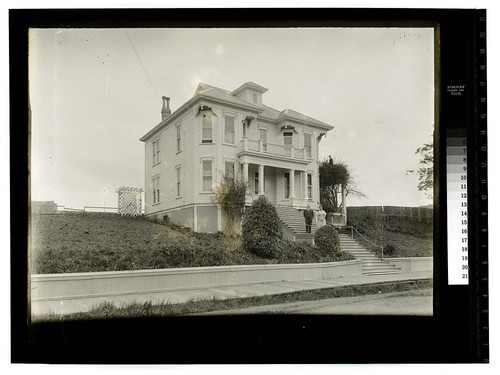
(415,302)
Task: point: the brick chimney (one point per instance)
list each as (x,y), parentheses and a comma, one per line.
(165,111)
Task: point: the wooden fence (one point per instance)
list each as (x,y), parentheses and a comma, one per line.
(392,213)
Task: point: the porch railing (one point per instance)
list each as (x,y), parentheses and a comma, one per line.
(272,149)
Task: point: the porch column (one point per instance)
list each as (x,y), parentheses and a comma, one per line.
(195,218)
(292,183)
(261,179)
(344,209)
(219,218)
(304,182)
(245,172)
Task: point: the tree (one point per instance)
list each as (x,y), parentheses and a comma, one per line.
(229,193)
(426,170)
(332,176)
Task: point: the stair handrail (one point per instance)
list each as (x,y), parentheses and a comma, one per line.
(366,239)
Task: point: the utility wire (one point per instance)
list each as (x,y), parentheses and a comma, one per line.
(140,62)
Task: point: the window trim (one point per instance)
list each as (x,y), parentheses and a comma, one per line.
(155,180)
(286,136)
(178,131)
(211,161)
(155,145)
(178,171)
(256,96)
(207,141)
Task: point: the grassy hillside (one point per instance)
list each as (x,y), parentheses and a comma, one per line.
(88,242)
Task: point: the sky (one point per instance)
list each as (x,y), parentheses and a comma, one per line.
(94,93)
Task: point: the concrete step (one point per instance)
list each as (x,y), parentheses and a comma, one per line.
(379,273)
(378,266)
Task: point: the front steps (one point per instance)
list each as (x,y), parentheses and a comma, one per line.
(372,265)
(294,220)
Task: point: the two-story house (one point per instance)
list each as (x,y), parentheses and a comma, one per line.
(220,132)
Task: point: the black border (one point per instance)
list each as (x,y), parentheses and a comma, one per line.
(450,336)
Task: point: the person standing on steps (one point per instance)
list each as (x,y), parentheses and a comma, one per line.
(320,217)
(308,215)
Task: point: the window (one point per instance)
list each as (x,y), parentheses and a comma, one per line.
(288,142)
(287,185)
(309,185)
(207,175)
(229,168)
(156,151)
(308,144)
(206,136)
(156,189)
(178,131)
(255,99)
(229,129)
(178,181)
(263,138)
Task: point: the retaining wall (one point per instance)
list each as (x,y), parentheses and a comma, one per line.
(101,284)
(413,264)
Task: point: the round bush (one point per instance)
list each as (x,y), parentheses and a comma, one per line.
(390,249)
(261,229)
(327,239)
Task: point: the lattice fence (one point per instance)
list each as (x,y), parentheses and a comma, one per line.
(129,201)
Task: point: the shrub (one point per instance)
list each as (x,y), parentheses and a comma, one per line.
(327,239)
(296,252)
(230,193)
(390,249)
(261,229)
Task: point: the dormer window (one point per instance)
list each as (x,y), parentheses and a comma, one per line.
(255,98)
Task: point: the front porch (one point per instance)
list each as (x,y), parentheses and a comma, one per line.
(283,187)
(284,181)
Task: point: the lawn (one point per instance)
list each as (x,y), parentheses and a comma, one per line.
(93,242)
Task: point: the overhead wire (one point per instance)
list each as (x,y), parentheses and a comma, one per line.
(142,65)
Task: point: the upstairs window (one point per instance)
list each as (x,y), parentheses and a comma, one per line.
(288,142)
(308,144)
(207,175)
(263,138)
(156,151)
(178,133)
(206,136)
(229,130)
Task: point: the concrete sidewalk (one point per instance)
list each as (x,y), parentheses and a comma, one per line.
(68,306)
